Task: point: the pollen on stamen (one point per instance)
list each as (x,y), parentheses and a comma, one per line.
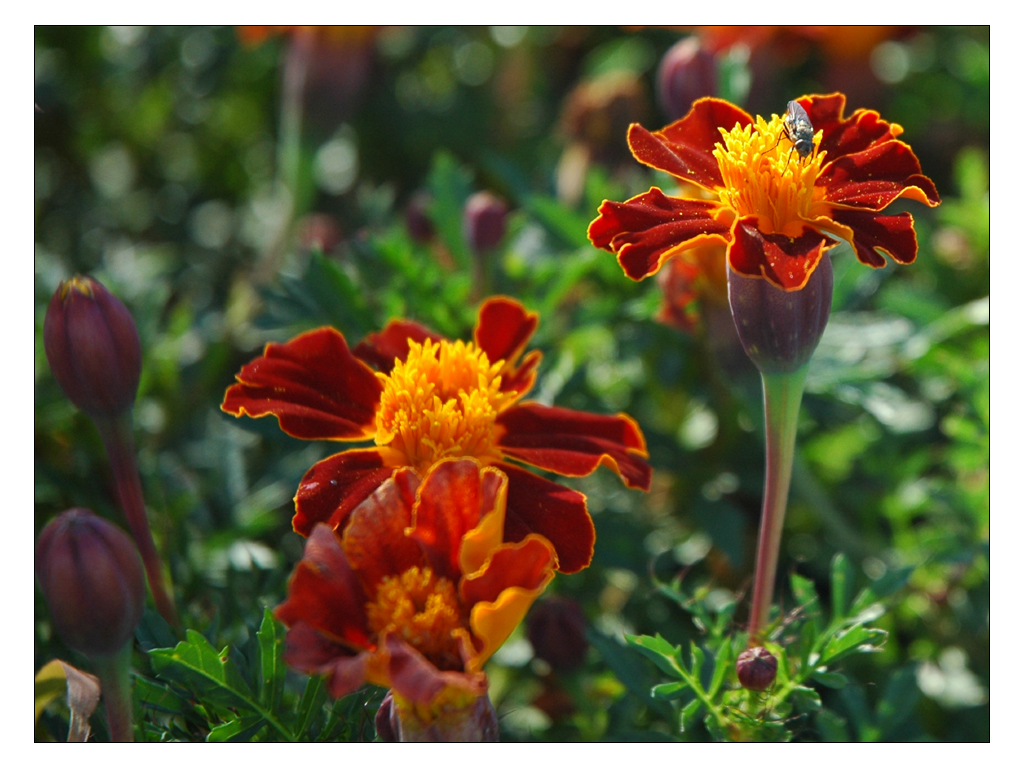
(441,401)
(763,177)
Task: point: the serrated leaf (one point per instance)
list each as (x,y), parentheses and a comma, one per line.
(830,679)
(669,691)
(157,695)
(658,650)
(195,664)
(857,638)
(242,729)
(843,577)
(272,667)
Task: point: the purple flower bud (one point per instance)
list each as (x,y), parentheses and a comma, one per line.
(417,221)
(756,668)
(557,630)
(781,329)
(687,72)
(483,221)
(91,575)
(93,347)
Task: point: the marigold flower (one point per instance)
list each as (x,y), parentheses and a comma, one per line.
(418,591)
(430,399)
(776,211)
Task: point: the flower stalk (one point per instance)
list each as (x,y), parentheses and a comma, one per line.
(120,445)
(114,672)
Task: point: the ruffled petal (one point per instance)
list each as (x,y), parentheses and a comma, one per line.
(307,650)
(333,487)
(504,591)
(646,230)
(374,542)
(420,682)
(844,136)
(453,499)
(313,384)
(379,350)
(557,513)
(574,443)
(876,176)
(325,593)
(786,262)
(684,148)
(503,329)
(873,232)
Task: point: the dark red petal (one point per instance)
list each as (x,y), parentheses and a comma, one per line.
(503,329)
(419,681)
(648,229)
(683,149)
(574,443)
(334,486)
(314,386)
(786,262)
(892,234)
(844,136)
(325,593)
(557,513)
(308,651)
(527,566)
(876,176)
(374,542)
(379,350)
(453,498)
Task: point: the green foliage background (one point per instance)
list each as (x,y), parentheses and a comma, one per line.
(162,169)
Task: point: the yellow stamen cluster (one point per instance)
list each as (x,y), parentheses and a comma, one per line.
(423,610)
(763,176)
(441,401)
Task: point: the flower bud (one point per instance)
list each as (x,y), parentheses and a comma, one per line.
(483,221)
(91,575)
(92,347)
(687,72)
(756,668)
(557,630)
(781,329)
(417,221)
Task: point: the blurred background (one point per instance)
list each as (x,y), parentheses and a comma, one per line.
(237,185)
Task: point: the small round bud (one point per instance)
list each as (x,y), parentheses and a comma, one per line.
(92,347)
(756,668)
(557,630)
(483,221)
(417,220)
(781,329)
(687,72)
(91,575)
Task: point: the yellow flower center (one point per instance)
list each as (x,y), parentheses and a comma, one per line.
(441,401)
(423,610)
(764,176)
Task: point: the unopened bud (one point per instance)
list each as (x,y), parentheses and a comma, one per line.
(756,668)
(687,72)
(93,347)
(557,630)
(483,221)
(781,329)
(91,575)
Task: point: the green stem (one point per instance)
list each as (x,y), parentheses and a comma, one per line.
(117,438)
(114,673)
(782,395)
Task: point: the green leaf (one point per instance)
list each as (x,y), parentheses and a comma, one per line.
(195,664)
(449,186)
(696,660)
(806,699)
(832,727)
(807,599)
(667,657)
(311,705)
(723,663)
(882,588)
(856,639)
(689,715)
(242,729)
(559,220)
(670,691)
(830,679)
(272,667)
(843,577)
(898,701)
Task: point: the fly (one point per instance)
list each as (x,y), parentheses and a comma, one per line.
(796,127)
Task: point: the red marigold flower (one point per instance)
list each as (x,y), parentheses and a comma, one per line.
(776,211)
(419,590)
(429,399)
